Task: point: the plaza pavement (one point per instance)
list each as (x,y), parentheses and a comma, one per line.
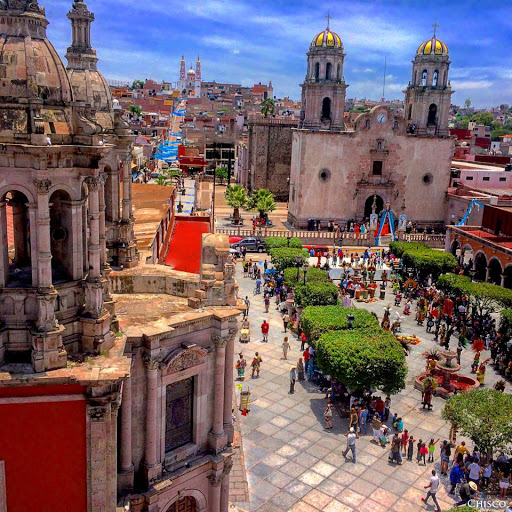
(293,464)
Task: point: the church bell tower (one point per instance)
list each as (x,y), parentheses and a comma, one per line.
(428,95)
(324,88)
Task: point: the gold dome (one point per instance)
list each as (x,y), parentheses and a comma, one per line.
(327,39)
(432,46)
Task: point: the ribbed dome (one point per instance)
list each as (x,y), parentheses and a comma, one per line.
(327,39)
(432,46)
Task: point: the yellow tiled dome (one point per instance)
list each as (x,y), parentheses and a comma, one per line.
(432,46)
(327,38)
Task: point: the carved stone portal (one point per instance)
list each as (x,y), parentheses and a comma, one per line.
(180,359)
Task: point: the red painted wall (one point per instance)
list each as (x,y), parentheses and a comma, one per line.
(44,449)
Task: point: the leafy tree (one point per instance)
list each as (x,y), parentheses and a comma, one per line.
(267,107)
(497,132)
(263,201)
(485,118)
(319,320)
(315,293)
(281,241)
(484,416)
(284,257)
(363,359)
(312,274)
(138,84)
(135,110)
(162,180)
(467,103)
(429,261)
(236,197)
(221,173)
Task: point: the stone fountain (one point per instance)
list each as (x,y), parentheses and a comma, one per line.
(447,376)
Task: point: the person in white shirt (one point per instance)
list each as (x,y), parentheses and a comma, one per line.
(474,471)
(432,490)
(351,443)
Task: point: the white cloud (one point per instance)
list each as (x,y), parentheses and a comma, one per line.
(471,84)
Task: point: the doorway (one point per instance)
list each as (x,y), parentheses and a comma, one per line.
(374,202)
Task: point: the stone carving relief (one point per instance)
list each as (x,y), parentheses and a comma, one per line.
(42,186)
(46,320)
(181,359)
(97,413)
(93,299)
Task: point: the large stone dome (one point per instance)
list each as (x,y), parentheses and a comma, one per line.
(35,92)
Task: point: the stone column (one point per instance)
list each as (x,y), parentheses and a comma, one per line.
(502,282)
(228,387)
(77,241)
(94,225)
(32,216)
(487,270)
(151,456)
(224,491)
(214,492)
(217,436)
(44,256)
(114,205)
(4,257)
(127,199)
(125,478)
(103,234)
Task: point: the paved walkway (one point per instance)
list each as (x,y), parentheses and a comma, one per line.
(293,464)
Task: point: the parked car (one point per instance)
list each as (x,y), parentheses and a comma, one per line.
(250,244)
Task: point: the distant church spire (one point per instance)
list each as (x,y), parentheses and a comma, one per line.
(198,69)
(183,72)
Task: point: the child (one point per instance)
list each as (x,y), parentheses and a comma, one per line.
(395,420)
(423,453)
(486,475)
(405,440)
(418,447)
(400,425)
(410,449)
(431,449)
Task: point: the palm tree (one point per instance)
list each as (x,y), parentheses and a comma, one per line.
(236,197)
(135,110)
(162,180)
(267,107)
(263,201)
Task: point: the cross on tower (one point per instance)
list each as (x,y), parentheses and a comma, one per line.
(328,18)
(435,25)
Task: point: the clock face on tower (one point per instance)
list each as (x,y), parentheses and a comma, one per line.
(382,118)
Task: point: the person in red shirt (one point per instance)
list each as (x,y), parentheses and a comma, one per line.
(306,359)
(302,341)
(265,326)
(379,407)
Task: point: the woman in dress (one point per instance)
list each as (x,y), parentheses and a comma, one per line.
(240,366)
(328,415)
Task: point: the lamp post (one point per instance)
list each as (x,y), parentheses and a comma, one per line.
(288,240)
(350,321)
(305,270)
(298,263)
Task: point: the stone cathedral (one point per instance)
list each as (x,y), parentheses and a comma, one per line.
(92,416)
(340,171)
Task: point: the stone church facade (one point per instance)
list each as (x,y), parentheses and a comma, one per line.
(92,415)
(338,172)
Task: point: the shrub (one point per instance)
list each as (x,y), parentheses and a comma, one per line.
(484,416)
(319,320)
(398,248)
(315,293)
(273,242)
(363,359)
(284,257)
(313,274)
(428,261)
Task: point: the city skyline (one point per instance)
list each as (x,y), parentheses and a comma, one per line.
(148,40)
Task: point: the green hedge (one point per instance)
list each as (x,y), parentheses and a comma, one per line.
(274,242)
(315,293)
(319,320)
(398,248)
(284,257)
(313,274)
(363,358)
(483,293)
(429,261)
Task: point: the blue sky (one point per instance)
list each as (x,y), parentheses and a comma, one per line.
(248,41)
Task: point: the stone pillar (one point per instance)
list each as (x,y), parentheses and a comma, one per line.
(77,241)
(113,205)
(151,456)
(4,257)
(128,249)
(32,216)
(214,493)
(217,437)
(127,198)
(228,387)
(103,234)
(224,491)
(125,477)
(94,226)
(502,282)
(44,256)
(487,270)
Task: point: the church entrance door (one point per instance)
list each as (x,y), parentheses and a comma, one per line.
(186,504)
(373,204)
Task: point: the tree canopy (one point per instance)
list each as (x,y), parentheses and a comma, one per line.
(363,359)
(484,416)
(284,257)
(312,274)
(272,242)
(221,173)
(135,110)
(138,84)
(263,201)
(315,293)
(236,197)
(267,107)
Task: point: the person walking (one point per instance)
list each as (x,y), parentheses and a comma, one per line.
(306,359)
(247,306)
(266,302)
(410,449)
(351,443)
(286,347)
(300,369)
(456,476)
(265,327)
(376,425)
(432,449)
(363,419)
(432,490)
(302,341)
(328,415)
(286,320)
(256,365)
(293,378)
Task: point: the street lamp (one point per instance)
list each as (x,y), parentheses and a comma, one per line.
(288,240)
(305,269)
(350,321)
(298,263)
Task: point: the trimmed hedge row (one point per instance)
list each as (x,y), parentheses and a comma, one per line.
(316,320)
(284,257)
(316,293)
(274,242)
(312,274)
(363,358)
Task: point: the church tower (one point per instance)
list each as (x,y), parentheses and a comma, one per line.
(428,95)
(198,78)
(324,88)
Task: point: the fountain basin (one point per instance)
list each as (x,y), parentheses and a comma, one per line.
(457,382)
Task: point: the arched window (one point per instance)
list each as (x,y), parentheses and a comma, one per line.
(424,78)
(326,109)
(435,78)
(432,115)
(317,71)
(328,71)
(409,116)
(338,73)
(61,234)
(367,124)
